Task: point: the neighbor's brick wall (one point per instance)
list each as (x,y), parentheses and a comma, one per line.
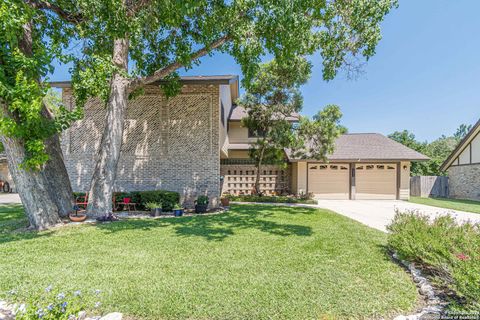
(170,144)
(464,182)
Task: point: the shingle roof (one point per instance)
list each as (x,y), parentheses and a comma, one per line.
(238,113)
(370,146)
(219,79)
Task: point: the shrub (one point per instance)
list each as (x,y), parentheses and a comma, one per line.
(202,200)
(166,198)
(272,199)
(51,304)
(450,251)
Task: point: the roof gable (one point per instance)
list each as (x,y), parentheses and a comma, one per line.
(461,146)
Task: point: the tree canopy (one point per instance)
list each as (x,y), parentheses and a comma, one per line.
(273,102)
(26,55)
(437,150)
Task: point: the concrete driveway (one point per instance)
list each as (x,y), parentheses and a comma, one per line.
(379,213)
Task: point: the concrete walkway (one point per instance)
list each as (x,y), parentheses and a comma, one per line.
(379,213)
(9,198)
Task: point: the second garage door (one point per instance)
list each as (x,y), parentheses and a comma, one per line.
(376,181)
(329,181)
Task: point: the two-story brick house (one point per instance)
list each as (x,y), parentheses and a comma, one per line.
(194,143)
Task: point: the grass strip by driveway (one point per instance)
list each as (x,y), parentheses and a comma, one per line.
(454,204)
(253,262)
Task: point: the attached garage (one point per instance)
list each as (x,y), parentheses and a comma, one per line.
(329,181)
(375,181)
(363,166)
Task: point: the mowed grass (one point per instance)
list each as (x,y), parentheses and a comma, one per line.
(454,204)
(253,262)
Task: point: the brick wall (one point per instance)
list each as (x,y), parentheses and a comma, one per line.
(464,181)
(170,144)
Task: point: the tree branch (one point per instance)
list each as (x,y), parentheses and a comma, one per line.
(74,18)
(162,73)
(134,6)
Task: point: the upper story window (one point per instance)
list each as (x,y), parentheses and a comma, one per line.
(222,113)
(256,133)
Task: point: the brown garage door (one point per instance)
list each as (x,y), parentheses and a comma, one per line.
(375,181)
(329,181)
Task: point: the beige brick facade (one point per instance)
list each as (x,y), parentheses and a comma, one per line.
(170,144)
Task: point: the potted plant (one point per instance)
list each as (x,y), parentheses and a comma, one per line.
(177,210)
(155,208)
(78,216)
(201,204)
(225,200)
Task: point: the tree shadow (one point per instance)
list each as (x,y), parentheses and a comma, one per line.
(221,226)
(215,227)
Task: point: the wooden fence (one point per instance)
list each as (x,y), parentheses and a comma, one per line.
(429,186)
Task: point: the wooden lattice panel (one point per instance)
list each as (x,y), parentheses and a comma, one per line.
(240,179)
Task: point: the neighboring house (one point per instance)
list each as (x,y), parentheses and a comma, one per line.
(463,167)
(194,143)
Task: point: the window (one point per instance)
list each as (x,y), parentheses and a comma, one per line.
(313,168)
(370,167)
(322,167)
(334,167)
(359,167)
(390,167)
(343,168)
(255,133)
(380,167)
(222,113)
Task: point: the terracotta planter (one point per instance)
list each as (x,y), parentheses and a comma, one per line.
(77,218)
(225,202)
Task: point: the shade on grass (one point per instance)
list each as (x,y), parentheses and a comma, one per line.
(454,204)
(256,261)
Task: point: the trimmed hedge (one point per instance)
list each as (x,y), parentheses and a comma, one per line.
(167,198)
(271,199)
(448,250)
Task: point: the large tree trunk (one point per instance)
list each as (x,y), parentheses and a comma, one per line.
(60,188)
(32,186)
(40,191)
(103,179)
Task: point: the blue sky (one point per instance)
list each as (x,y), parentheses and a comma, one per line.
(425,76)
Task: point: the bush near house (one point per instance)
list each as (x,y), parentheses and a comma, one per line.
(449,251)
(271,199)
(141,198)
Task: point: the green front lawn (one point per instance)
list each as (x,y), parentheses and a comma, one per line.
(454,204)
(254,262)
